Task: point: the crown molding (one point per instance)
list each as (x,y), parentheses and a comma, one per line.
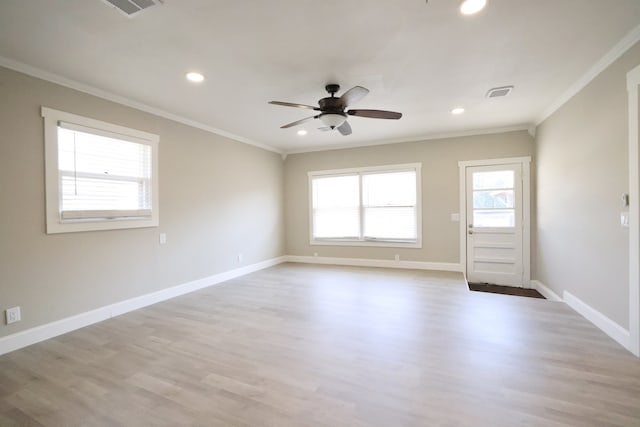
(109,96)
(424,138)
(609,58)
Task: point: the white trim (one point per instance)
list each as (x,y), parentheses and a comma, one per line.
(423,138)
(546,291)
(526,223)
(603,63)
(369,243)
(378,263)
(109,96)
(34,335)
(381,168)
(601,321)
(633,86)
(526,209)
(493,162)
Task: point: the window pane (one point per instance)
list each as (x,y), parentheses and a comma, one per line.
(84,152)
(336,203)
(390,223)
(493,180)
(389,201)
(85,194)
(494,218)
(493,199)
(336,223)
(389,189)
(102,174)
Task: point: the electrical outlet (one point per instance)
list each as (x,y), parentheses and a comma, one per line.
(240,258)
(397,257)
(13,315)
(163,238)
(315,254)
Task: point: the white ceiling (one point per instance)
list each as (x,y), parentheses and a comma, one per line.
(417,58)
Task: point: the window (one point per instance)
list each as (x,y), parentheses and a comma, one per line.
(376,206)
(99,176)
(494,199)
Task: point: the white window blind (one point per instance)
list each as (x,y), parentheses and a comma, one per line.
(368,205)
(102,175)
(336,212)
(389,205)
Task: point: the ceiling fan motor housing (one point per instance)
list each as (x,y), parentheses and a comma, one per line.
(331,105)
(332,88)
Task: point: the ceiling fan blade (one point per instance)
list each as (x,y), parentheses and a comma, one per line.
(289,104)
(345,128)
(375,114)
(298,122)
(353,95)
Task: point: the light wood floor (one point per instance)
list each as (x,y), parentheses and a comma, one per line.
(301,345)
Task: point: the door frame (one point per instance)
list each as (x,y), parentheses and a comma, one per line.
(526,210)
(633,87)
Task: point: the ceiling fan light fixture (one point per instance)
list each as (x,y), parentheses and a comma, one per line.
(302,132)
(333,120)
(469,7)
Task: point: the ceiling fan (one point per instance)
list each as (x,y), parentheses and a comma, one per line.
(333,111)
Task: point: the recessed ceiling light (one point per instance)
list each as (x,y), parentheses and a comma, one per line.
(469,7)
(302,132)
(457,111)
(195,77)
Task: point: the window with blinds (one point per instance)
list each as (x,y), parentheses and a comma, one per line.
(377,206)
(99,176)
(102,177)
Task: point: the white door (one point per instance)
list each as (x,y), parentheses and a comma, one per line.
(494,224)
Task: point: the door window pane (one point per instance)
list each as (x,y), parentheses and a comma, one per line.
(493,180)
(493,199)
(494,218)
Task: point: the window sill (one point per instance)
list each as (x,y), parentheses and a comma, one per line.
(368,243)
(100,225)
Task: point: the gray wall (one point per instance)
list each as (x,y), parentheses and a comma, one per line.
(217,198)
(582,157)
(440,190)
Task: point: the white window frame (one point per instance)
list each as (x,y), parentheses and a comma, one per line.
(54,222)
(362,241)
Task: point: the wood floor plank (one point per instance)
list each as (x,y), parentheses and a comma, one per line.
(303,345)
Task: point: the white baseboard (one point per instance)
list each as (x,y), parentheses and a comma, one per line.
(25,338)
(608,326)
(545,291)
(382,263)
(34,335)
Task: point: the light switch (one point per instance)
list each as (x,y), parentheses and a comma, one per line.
(455,217)
(624,219)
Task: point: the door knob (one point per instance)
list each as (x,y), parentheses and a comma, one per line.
(470,232)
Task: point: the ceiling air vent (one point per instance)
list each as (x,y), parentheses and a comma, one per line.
(132,7)
(498,92)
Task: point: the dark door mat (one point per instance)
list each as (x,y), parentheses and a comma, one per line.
(505,290)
